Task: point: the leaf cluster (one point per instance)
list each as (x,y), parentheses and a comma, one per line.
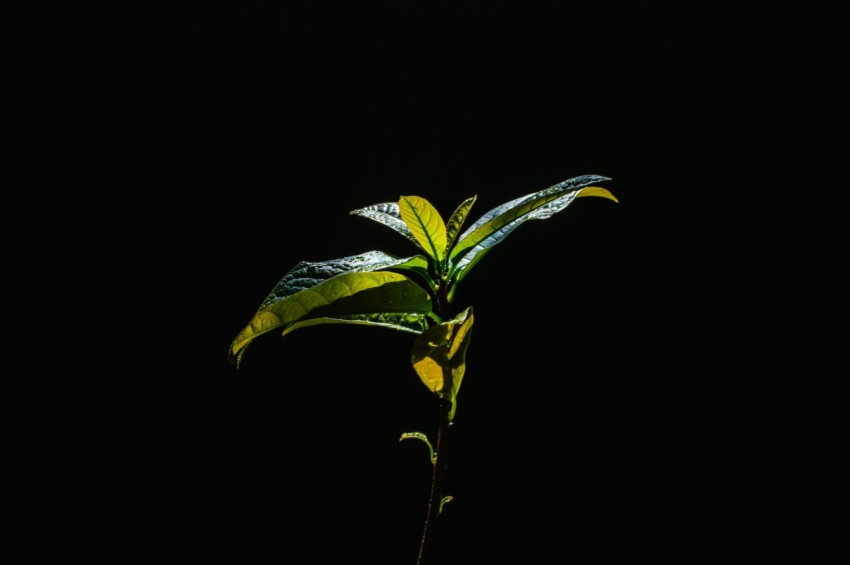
(411,294)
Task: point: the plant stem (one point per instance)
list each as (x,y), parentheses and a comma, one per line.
(437,478)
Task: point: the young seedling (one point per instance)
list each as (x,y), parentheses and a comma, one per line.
(412,294)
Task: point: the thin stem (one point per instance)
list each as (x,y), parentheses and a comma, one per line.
(437,479)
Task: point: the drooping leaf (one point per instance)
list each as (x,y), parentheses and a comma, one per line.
(387,213)
(439,356)
(422,437)
(348,297)
(494,226)
(426,224)
(456,220)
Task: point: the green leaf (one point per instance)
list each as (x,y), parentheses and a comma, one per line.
(494,226)
(350,297)
(426,224)
(456,220)
(439,356)
(423,437)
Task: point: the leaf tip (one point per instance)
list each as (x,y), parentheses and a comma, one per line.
(596,191)
(234,355)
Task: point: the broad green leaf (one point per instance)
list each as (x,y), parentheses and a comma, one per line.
(456,220)
(347,296)
(386,213)
(426,224)
(439,356)
(494,226)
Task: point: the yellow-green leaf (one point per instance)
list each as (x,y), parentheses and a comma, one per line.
(426,225)
(439,356)
(430,357)
(596,191)
(456,220)
(346,296)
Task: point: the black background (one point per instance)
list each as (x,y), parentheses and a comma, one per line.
(649,381)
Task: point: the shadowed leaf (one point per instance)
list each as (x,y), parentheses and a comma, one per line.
(406,322)
(417,264)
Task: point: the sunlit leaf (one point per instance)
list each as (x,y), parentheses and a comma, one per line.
(439,356)
(426,224)
(456,220)
(596,191)
(347,296)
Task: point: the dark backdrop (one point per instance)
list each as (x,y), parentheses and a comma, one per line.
(649,381)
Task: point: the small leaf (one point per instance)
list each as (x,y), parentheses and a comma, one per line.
(422,437)
(426,224)
(456,220)
(439,356)
(445,500)
(430,357)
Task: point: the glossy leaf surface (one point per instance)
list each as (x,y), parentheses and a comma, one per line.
(388,214)
(494,226)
